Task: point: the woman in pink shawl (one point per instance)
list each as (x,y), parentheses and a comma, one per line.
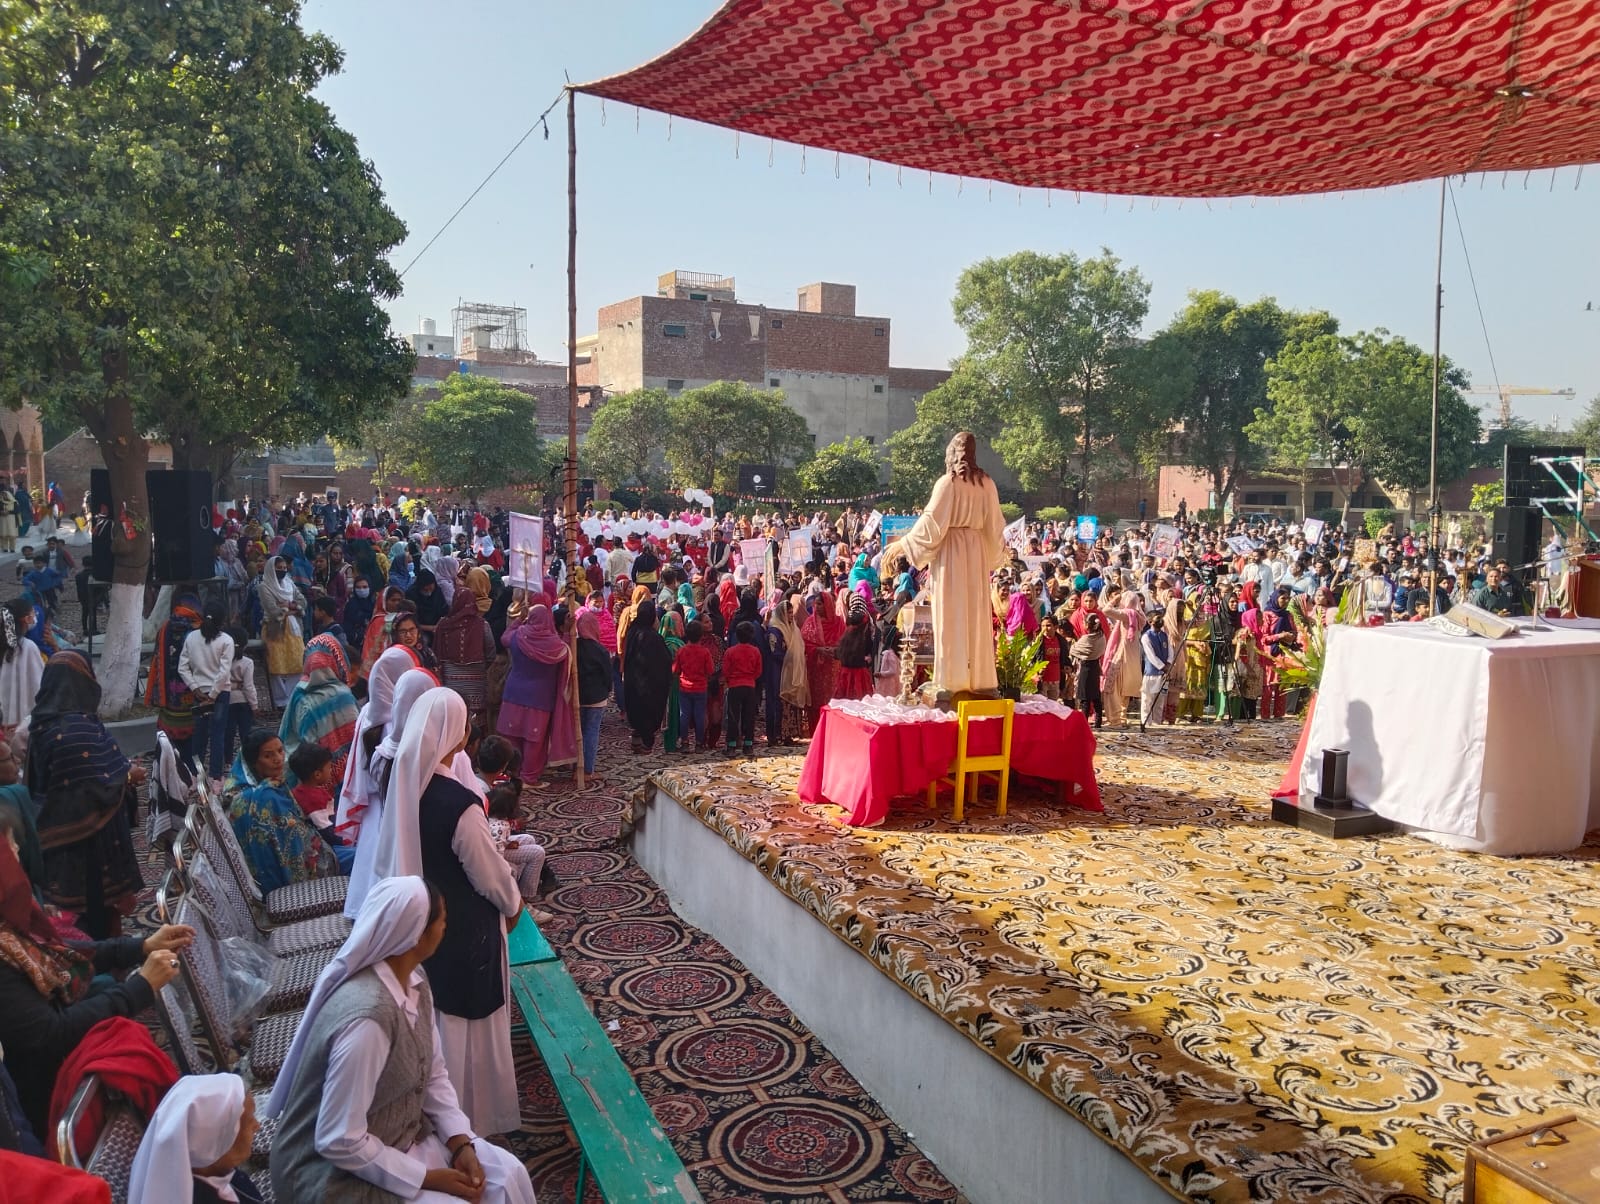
(1122,667)
(821,633)
(536,708)
(1256,621)
(1020,616)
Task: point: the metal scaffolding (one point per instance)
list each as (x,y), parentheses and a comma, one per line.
(480,327)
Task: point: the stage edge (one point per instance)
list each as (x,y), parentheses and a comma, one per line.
(995,1137)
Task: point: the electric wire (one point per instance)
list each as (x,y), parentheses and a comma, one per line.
(1477,300)
(537,123)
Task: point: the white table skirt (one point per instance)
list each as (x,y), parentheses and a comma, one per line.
(1489,745)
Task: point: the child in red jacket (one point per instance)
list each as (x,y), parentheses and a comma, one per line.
(741,669)
(693,668)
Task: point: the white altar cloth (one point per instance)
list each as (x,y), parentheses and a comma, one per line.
(1489,745)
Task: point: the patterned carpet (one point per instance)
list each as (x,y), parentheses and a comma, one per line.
(755,1106)
(1252,1012)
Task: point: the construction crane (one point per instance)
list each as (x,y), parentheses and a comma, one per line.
(1507,392)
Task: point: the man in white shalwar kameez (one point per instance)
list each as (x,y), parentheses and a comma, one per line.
(959,539)
(366,1104)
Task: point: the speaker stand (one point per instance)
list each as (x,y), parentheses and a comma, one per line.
(1333,818)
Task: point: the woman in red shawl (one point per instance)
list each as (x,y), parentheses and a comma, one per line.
(376,639)
(536,709)
(464,646)
(1260,624)
(821,634)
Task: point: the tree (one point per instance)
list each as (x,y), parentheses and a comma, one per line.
(207,249)
(1048,334)
(1394,379)
(1310,414)
(719,426)
(626,443)
(477,434)
(1228,347)
(1586,430)
(962,402)
(1363,405)
(384,440)
(847,469)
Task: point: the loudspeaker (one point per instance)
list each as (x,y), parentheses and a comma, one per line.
(758,479)
(1516,537)
(180,519)
(102,516)
(1525,480)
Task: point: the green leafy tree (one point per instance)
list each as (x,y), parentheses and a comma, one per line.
(847,469)
(202,246)
(478,434)
(1228,346)
(626,443)
(1587,429)
(383,442)
(719,426)
(1394,378)
(963,402)
(1049,334)
(1488,497)
(1310,414)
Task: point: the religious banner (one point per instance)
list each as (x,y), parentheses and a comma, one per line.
(870,527)
(795,551)
(1165,541)
(1241,545)
(1016,534)
(753,554)
(1313,528)
(525,552)
(1088,528)
(896,525)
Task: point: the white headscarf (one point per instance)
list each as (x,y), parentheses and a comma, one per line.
(196,1124)
(444,574)
(435,726)
(355,795)
(391,921)
(413,684)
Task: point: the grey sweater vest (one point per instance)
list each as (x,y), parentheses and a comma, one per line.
(396,1117)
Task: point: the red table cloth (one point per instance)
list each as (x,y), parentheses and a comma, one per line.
(859,764)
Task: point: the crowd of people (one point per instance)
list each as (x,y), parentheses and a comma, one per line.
(414,692)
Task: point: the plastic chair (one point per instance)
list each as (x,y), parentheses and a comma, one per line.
(968,770)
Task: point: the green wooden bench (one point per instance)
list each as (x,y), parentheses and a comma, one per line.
(620,1141)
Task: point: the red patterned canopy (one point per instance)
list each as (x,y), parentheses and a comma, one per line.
(1150,97)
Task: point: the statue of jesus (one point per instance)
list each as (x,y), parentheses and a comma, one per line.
(960,538)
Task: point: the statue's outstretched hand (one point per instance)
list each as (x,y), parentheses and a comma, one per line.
(894,559)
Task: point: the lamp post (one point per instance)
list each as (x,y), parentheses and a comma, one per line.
(1435,513)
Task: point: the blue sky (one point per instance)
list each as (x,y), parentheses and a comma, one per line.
(437,93)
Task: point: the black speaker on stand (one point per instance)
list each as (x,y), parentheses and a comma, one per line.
(758,480)
(180,520)
(1516,538)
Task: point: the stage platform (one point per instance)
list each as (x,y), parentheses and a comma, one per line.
(1174,997)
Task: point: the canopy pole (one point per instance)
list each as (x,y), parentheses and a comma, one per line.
(1435,514)
(574,566)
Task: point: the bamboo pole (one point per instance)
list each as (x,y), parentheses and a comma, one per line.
(571,500)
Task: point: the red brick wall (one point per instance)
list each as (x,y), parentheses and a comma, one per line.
(827,343)
(68,464)
(697,355)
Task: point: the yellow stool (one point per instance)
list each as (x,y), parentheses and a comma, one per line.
(974,768)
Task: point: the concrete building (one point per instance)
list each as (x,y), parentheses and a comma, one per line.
(427,341)
(832,363)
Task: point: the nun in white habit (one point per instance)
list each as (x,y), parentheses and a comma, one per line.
(365,1102)
(197,1140)
(359,800)
(435,826)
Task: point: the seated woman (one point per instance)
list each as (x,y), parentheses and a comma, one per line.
(83,786)
(196,1142)
(365,1104)
(279,842)
(45,1005)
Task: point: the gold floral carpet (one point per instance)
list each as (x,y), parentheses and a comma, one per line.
(1249,1011)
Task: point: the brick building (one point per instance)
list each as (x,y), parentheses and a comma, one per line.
(832,363)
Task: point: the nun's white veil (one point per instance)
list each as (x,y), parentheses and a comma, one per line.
(195,1125)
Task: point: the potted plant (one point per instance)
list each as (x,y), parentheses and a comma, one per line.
(1017,664)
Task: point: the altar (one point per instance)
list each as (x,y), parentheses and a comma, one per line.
(1487,745)
(865,753)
